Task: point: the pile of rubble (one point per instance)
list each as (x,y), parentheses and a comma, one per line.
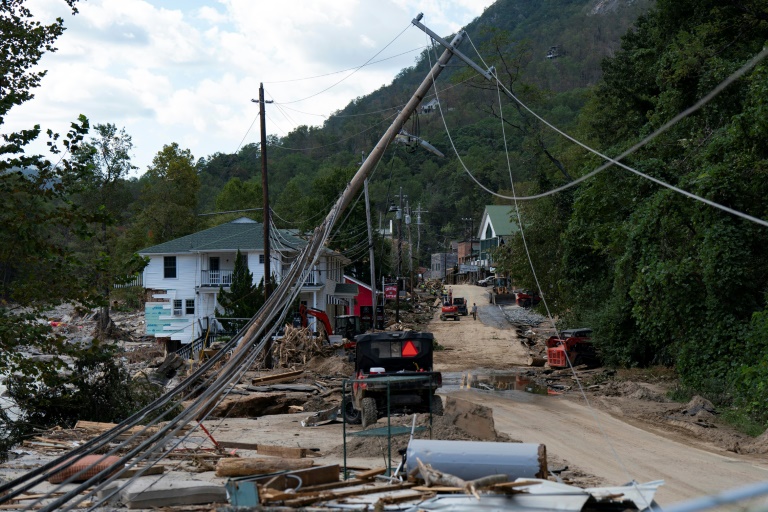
(298,346)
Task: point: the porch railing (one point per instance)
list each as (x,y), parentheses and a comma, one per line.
(310,278)
(216,277)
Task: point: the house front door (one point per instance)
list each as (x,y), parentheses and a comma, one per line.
(214,273)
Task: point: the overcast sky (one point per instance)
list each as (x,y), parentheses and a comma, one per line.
(186,70)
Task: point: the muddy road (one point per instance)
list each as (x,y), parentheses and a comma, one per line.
(588,438)
(488,342)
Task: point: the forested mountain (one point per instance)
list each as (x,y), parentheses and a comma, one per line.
(514,35)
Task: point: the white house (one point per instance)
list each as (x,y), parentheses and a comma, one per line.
(184,275)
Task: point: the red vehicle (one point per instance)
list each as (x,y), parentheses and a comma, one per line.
(348,326)
(576,344)
(449,311)
(527,298)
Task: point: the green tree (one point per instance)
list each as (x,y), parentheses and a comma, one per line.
(238,195)
(664,279)
(244,298)
(168,202)
(39,268)
(100,191)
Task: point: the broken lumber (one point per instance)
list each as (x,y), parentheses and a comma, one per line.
(432,476)
(281,377)
(252,466)
(288,452)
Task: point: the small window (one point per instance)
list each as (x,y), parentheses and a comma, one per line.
(190,306)
(177,307)
(261,259)
(169,267)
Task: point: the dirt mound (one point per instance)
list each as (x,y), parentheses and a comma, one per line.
(333,366)
(452,426)
(442,428)
(699,407)
(759,445)
(631,389)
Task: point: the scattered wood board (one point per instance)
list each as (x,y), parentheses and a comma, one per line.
(281,377)
(288,452)
(253,466)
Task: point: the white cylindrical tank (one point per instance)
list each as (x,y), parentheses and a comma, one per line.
(469,460)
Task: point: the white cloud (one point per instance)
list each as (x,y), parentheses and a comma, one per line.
(179,71)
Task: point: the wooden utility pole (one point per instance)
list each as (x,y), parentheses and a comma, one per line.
(370,250)
(265,187)
(399,255)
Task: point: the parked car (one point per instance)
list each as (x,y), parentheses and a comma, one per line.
(485,282)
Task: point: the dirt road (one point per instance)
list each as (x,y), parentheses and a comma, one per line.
(588,439)
(488,342)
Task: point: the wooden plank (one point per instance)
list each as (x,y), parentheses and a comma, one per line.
(507,485)
(239,445)
(315,476)
(152,470)
(288,452)
(367,475)
(252,466)
(345,494)
(414,495)
(281,377)
(438,488)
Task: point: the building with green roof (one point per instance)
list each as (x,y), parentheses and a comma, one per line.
(496,227)
(184,275)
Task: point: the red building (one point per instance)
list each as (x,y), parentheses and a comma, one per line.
(363,298)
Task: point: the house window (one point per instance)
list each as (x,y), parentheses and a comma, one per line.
(190,306)
(169,267)
(177,307)
(261,259)
(488,232)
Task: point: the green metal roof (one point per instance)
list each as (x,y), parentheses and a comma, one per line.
(500,216)
(244,234)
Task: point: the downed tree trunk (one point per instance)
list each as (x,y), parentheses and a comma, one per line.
(434,477)
(536,361)
(252,466)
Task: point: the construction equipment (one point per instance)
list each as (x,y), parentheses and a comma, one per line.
(502,293)
(527,298)
(393,371)
(348,326)
(449,311)
(461,305)
(574,345)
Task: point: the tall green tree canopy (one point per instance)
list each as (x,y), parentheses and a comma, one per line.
(169,198)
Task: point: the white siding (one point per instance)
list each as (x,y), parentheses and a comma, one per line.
(256,268)
(182,287)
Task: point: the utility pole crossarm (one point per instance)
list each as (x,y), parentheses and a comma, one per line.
(488,75)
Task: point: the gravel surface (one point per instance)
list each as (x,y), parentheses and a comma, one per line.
(518,315)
